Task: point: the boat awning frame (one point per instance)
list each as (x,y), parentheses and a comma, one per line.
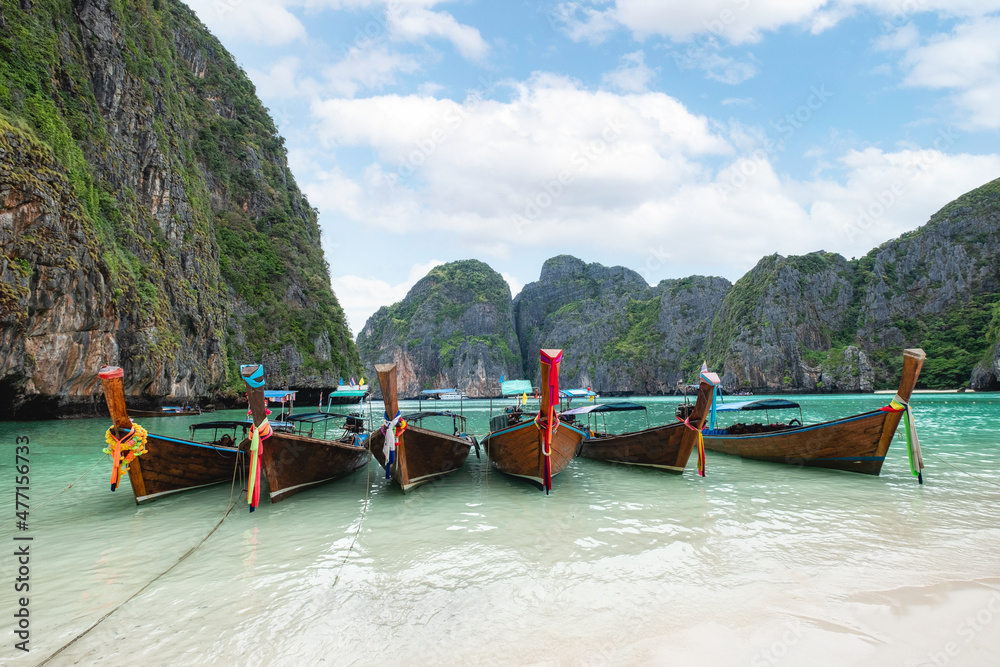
(605,407)
(761,404)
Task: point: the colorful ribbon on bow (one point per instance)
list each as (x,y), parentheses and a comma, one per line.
(912,441)
(393,430)
(123,452)
(257,435)
(701,446)
(549,424)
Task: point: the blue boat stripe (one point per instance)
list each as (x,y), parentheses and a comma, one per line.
(850,458)
(193,444)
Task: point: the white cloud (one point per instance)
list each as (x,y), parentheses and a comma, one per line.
(258,21)
(632,75)
(738,21)
(966,61)
(497,176)
(280,83)
(361,297)
(513,282)
(367,68)
(583,23)
(417,23)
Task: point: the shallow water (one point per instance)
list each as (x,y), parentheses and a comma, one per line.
(756,564)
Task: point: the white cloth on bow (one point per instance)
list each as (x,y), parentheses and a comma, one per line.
(390,437)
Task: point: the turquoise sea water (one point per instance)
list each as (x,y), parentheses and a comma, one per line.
(756,564)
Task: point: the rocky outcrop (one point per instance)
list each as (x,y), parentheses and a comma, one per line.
(57,316)
(815,322)
(777,316)
(618,334)
(161,230)
(820,322)
(455,328)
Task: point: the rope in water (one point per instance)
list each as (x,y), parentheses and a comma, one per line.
(965,472)
(68,487)
(155,579)
(364,513)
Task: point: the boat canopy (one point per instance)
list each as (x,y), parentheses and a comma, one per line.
(280,395)
(436,392)
(605,407)
(350,392)
(238,423)
(316,417)
(762,404)
(417,416)
(577,393)
(516,387)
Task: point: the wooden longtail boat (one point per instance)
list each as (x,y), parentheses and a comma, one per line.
(170,465)
(419,455)
(294,462)
(858,443)
(665,447)
(517,446)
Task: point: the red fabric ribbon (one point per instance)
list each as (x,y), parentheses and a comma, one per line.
(550,419)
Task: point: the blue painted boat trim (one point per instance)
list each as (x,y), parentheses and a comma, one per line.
(511,429)
(850,458)
(192,444)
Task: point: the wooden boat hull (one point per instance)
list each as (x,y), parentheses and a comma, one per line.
(662,447)
(294,463)
(857,444)
(424,456)
(172,465)
(854,443)
(517,450)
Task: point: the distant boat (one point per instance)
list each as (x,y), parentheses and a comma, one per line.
(171,465)
(346,394)
(666,447)
(535,449)
(583,394)
(440,395)
(858,443)
(298,460)
(421,454)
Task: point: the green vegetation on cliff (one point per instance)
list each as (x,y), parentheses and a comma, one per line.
(454,327)
(205,237)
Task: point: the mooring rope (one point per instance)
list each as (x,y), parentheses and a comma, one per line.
(364,513)
(158,577)
(67,488)
(964,472)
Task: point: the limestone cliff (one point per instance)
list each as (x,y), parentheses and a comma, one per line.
(822,322)
(455,328)
(147,215)
(619,334)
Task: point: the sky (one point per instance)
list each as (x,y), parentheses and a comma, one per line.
(674,138)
